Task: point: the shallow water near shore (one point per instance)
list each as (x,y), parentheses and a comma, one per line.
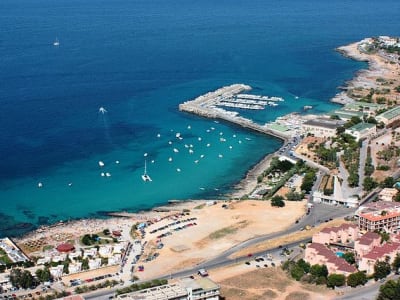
(139,60)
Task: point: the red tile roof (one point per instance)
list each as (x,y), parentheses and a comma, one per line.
(340,263)
(382,251)
(367,238)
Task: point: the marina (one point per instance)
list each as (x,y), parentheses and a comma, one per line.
(208,106)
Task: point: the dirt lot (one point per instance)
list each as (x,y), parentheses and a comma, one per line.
(265,283)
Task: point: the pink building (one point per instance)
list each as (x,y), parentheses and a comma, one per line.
(366,243)
(343,234)
(319,254)
(380,253)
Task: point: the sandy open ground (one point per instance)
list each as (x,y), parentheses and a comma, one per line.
(217,230)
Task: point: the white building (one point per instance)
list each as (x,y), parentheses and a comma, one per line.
(57,271)
(361,130)
(90,252)
(105,251)
(75,267)
(336,198)
(389,116)
(94,263)
(184,289)
(387,194)
(321,127)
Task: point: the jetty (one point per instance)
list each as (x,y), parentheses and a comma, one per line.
(207,106)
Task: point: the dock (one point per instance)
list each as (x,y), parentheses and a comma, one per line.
(208,106)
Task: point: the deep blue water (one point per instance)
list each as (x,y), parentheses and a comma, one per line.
(139,60)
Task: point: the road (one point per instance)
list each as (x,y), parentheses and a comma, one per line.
(320,213)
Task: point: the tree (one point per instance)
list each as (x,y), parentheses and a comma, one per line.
(319,271)
(388,182)
(349,257)
(304,265)
(396,263)
(43,275)
(86,240)
(85,264)
(294,196)
(390,290)
(381,269)
(277,201)
(355,279)
(369,184)
(15,277)
(27,280)
(297,272)
(335,280)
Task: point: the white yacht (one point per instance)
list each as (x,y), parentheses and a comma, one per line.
(145,177)
(56,42)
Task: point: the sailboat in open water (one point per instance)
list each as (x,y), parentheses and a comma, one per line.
(145,176)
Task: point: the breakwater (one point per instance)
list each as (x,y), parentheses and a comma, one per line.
(206,106)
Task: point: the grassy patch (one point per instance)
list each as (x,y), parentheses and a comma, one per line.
(199,206)
(298,296)
(223,232)
(228,230)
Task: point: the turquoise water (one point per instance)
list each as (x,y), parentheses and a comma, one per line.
(139,60)
(339,254)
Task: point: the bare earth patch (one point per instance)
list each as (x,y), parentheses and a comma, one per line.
(247,283)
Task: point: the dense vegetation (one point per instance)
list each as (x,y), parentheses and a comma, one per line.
(141,286)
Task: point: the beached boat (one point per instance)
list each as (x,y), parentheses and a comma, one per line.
(145,177)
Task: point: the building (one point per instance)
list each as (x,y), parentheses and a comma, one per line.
(345,114)
(318,254)
(343,234)
(389,116)
(379,216)
(184,289)
(366,243)
(361,130)
(387,252)
(336,198)
(56,271)
(387,194)
(321,127)
(13,252)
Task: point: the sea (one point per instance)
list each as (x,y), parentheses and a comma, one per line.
(138,60)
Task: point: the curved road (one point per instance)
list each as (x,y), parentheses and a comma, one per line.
(318,214)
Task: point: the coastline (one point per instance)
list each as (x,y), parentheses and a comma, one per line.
(247,184)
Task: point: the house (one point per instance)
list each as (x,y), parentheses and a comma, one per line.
(366,243)
(387,194)
(90,252)
(57,271)
(94,263)
(75,267)
(105,251)
(387,251)
(318,254)
(361,130)
(343,234)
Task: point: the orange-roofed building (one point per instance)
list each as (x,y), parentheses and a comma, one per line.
(379,216)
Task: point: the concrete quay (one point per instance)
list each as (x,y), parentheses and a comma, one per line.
(205,106)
